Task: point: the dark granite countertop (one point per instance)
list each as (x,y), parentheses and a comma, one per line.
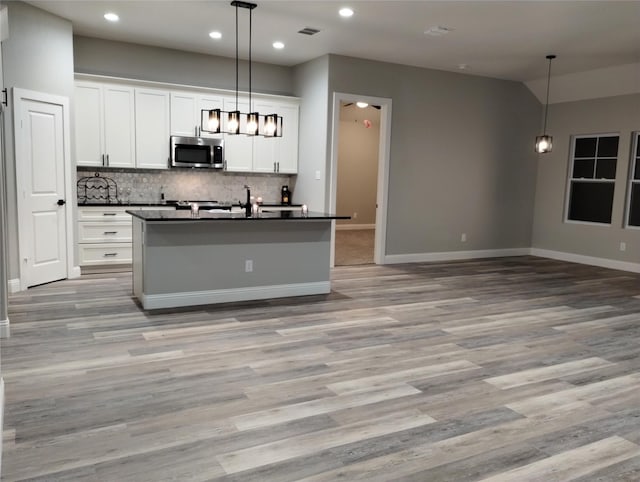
(203,215)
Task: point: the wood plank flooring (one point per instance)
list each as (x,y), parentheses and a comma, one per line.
(512,369)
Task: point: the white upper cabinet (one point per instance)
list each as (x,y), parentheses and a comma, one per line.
(104,125)
(184,121)
(287,148)
(121,125)
(187,113)
(238,148)
(152,128)
(264,148)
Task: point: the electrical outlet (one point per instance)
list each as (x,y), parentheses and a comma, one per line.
(248,265)
(463,237)
(623,246)
(355,215)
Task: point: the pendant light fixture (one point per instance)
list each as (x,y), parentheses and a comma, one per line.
(269,126)
(544,143)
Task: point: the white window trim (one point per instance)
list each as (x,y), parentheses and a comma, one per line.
(635,140)
(570,177)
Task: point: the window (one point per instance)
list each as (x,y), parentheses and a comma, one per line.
(633,209)
(592,178)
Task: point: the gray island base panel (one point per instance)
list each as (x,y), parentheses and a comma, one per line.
(183,261)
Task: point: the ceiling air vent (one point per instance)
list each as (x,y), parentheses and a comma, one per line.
(308,31)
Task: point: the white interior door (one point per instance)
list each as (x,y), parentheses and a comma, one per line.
(42,193)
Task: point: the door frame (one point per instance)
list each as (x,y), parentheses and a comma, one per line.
(384,156)
(19,97)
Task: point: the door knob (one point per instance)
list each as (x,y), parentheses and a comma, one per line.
(61,202)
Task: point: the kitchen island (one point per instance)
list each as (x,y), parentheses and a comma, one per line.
(181,260)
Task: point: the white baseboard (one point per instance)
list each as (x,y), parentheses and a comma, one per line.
(193,298)
(590,260)
(354,227)
(5,331)
(454,255)
(13,285)
(75,272)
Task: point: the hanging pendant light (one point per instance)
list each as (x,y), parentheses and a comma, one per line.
(238,122)
(544,143)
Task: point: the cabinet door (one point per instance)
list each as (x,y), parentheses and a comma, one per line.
(119,133)
(206,103)
(238,149)
(287,147)
(152,128)
(183,114)
(264,148)
(88,124)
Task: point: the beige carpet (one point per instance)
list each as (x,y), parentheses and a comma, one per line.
(354,247)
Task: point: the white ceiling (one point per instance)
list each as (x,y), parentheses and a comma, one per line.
(502,39)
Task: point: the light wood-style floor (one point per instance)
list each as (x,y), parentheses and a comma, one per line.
(512,369)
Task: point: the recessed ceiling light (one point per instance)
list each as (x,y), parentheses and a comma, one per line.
(438,31)
(215,35)
(112,17)
(361,104)
(278,45)
(345,12)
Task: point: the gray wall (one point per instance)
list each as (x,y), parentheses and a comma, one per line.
(38,55)
(462,157)
(133,61)
(311,85)
(619,114)
(358,165)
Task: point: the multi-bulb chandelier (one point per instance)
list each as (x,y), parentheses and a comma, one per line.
(269,125)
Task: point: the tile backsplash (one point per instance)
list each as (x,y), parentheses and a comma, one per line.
(188,184)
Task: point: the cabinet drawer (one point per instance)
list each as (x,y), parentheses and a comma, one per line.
(100,213)
(97,254)
(104,232)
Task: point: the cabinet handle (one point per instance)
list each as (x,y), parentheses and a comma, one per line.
(107,160)
(274,167)
(225,165)
(278,166)
(102,156)
(110,255)
(108,214)
(110,232)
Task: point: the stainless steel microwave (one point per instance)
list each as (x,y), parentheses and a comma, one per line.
(201,152)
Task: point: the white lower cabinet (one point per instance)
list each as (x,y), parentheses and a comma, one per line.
(104,234)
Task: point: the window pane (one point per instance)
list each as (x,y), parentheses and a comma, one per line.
(637,173)
(583,169)
(638,146)
(585,147)
(606,169)
(608,146)
(591,201)
(634,206)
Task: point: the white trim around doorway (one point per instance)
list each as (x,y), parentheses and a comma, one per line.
(20,95)
(384,155)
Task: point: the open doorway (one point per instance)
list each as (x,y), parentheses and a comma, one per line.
(357,182)
(359,177)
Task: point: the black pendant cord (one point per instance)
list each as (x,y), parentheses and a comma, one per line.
(237,63)
(250,30)
(546,105)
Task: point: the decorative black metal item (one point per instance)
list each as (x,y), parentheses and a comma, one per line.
(544,143)
(97,189)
